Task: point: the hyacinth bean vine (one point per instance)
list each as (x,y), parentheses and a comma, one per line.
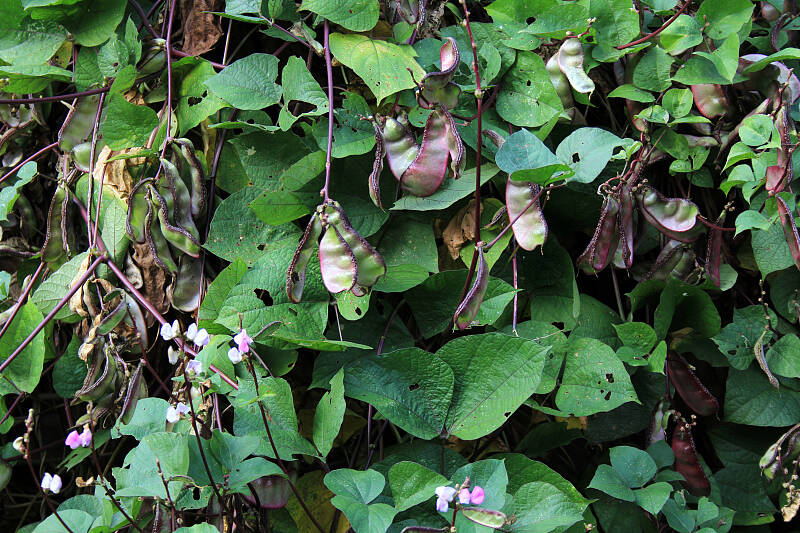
(574,308)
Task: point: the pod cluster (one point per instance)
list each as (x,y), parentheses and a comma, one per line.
(347,261)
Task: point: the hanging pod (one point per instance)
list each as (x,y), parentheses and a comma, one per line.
(454,144)
(377,167)
(689,387)
(687,462)
(570,61)
(623,255)
(789,230)
(191,172)
(139,210)
(172,187)
(159,247)
(714,251)
(560,82)
(400,146)
(530,227)
(674,217)
(337,262)
(604,242)
(136,390)
(296,274)
(371,265)
(429,168)
(79,123)
(783,452)
(467,310)
(675,259)
(437,87)
(55,249)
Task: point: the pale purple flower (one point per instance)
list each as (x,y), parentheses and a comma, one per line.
(191,331)
(169,332)
(202,338)
(73,440)
(477,496)
(463,496)
(86,437)
(194,367)
(444,497)
(235,355)
(51,483)
(243,341)
(174,413)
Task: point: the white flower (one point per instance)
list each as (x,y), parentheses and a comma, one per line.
(19,444)
(444,497)
(235,355)
(172,355)
(169,332)
(191,331)
(202,338)
(51,483)
(174,413)
(194,367)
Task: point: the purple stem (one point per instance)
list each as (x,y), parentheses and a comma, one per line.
(143,16)
(13,405)
(516,294)
(60,98)
(24,344)
(329,69)
(169,73)
(28,160)
(214,64)
(21,300)
(91,170)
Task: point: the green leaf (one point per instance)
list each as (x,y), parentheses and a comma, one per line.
(751,219)
(724,17)
(29,41)
(382,65)
(278,207)
(413,484)
(410,387)
(653,70)
(587,151)
(195,102)
(683,305)
(148,417)
(92,23)
(594,380)
(126,124)
(631,92)
(216,293)
(449,193)
(653,497)
(678,102)
(76,519)
(781,55)
(541,507)
(783,357)
(526,158)
(637,335)
(634,466)
(751,400)
(351,134)
(139,475)
(50,292)
(10,193)
(248,83)
(375,518)
(737,339)
(363,486)
(329,415)
(681,35)
(300,86)
(616,23)
(409,241)
(198,528)
(770,250)
(725,58)
(354,15)
(527,98)
(485,393)
(610,481)
(756,130)
(24,372)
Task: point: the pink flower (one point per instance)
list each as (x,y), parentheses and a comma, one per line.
(477,496)
(243,341)
(73,440)
(463,496)
(86,437)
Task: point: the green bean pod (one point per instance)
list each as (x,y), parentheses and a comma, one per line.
(139,209)
(623,256)
(467,310)
(337,262)
(191,170)
(560,82)
(429,168)
(172,187)
(187,289)
(296,274)
(371,265)
(401,147)
(530,228)
(175,235)
(670,258)
(159,247)
(56,248)
(570,61)
(604,242)
(79,123)
(101,376)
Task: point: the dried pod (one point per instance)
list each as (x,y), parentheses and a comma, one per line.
(468,308)
(687,462)
(689,387)
(296,275)
(604,242)
(570,61)
(522,203)
(377,168)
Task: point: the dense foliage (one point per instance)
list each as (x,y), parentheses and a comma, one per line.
(574,308)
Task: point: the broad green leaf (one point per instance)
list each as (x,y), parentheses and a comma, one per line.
(678,102)
(616,22)
(24,372)
(634,466)
(329,415)
(354,15)
(76,519)
(527,98)
(751,219)
(49,293)
(375,518)
(631,92)
(725,58)
(363,486)
(770,250)
(198,528)
(756,130)
(683,305)
(541,507)
(724,17)
(485,393)
(127,125)
(653,497)
(413,484)
(410,241)
(554,18)
(587,151)
(594,380)
(737,339)
(195,102)
(299,86)
(781,55)
(92,23)
(652,72)
(410,387)
(248,83)
(783,357)
(637,335)
(216,293)
(150,416)
(352,135)
(610,481)
(526,158)
(139,475)
(278,207)
(382,65)
(751,400)
(682,34)
(10,193)
(29,41)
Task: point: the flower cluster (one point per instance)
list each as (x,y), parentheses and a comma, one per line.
(51,483)
(75,440)
(243,342)
(198,336)
(445,495)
